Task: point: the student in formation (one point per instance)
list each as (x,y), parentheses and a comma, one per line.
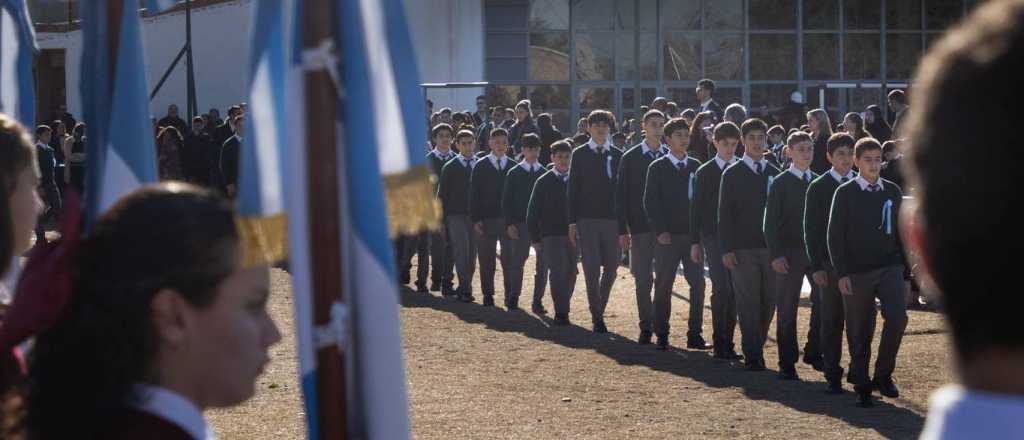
(634,230)
(783,231)
(47,181)
(816,211)
(548,224)
(744,194)
(440,251)
(453,191)
(163,332)
(667,197)
(514,202)
(704,225)
(867,253)
(592,219)
(487,181)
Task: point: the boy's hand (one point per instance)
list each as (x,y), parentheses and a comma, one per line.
(780,265)
(513,232)
(730,261)
(846,286)
(820,278)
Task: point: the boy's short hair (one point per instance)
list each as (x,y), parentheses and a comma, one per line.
(43,129)
(198,119)
(531,141)
(524,103)
(653,114)
(446,110)
(888,147)
(706,84)
(688,113)
(753,124)
(839,140)
(499,132)
(619,136)
(581,139)
(434,132)
(676,124)
(562,146)
(726,130)
(776,130)
(464,134)
(898,96)
(798,137)
(864,145)
(601,116)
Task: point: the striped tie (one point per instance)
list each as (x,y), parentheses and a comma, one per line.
(873,187)
(758,167)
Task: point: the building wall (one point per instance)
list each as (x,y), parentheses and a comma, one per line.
(449,40)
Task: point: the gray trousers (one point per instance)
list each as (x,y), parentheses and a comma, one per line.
(561,260)
(723,300)
(599,248)
(666,263)
(754,282)
(787,290)
(641,265)
(832,323)
(522,253)
(886,284)
(494,232)
(463,242)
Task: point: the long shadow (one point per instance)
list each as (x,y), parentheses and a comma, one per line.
(806,395)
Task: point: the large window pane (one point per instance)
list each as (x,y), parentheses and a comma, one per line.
(773,14)
(591,98)
(549,15)
(728,95)
(821,14)
(685,97)
(723,15)
(863,14)
(506,69)
(504,95)
(595,56)
(770,95)
(902,52)
(903,14)
(647,94)
(724,56)
(813,100)
(821,59)
(505,45)
(505,15)
(861,56)
(940,14)
(682,56)
(549,56)
(625,10)
(680,14)
(772,56)
(550,96)
(593,14)
(625,60)
(861,98)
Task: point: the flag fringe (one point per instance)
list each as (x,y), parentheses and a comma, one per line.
(264,239)
(412,204)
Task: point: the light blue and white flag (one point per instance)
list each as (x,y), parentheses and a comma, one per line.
(17,47)
(120,144)
(262,222)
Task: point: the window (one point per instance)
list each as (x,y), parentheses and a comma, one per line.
(506,69)
(682,56)
(647,94)
(625,12)
(821,14)
(592,98)
(770,95)
(723,15)
(593,15)
(549,15)
(821,56)
(903,15)
(505,96)
(626,62)
(863,14)
(505,14)
(861,56)
(680,14)
(505,45)
(685,97)
(861,98)
(772,14)
(728,95)
(595,56)
(772,56)
(553,99)
(902,53)
(940,14)
(549,56)
(506,39)
(724,56)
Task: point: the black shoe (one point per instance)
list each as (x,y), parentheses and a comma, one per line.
(788,373)
(539,309)
(406,279)
(488,301)
(727,354)
(512,307)
(887,387)
(561,319)
(448,292)
(435,287)
(754,365)
(645,337)
(815,362)
(864,399)
(835,387)
(698,343)
(662,342)
(466,297)
(421,287)
(599,327)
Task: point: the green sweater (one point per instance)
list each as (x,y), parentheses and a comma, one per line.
(515,198)
(437,164)
(784,213)
(861,237)
(816,212)
(741,204)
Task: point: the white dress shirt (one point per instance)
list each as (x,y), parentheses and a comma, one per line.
(530,168)
(495,161)
(661,151)
(675,162)
(174,408)
(839,177)
(801,174)
(959,413)
(864,183)
(722,163)
(607,144)
(444,157)
(750,163)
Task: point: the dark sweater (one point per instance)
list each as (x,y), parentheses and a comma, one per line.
(516,196)
(486,184)
(819,163)
(546,216)
(667,195)
(891,171)
(744,194)
(816,211)
(437,164)
(858,241)
(591,191)
(704,206)
(629,191)
(453,188)
(784,213)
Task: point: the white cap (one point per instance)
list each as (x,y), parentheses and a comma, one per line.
(797,97)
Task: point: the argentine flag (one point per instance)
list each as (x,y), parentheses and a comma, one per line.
(17,46)
(120,145)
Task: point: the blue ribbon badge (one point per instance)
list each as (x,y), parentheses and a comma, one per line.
(771,180)
(887,217)
(609,166)
(690,192)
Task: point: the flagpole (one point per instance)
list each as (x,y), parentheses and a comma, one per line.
(324,218)
(114,11)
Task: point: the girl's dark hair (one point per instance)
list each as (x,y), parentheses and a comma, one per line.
(879,129)
(17,152)
(860,132)
(544,124)
(170,131)
(79,127)
(83,369)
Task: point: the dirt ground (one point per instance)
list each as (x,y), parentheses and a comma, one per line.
(483,373)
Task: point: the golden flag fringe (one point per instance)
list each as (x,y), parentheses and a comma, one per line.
(412,203)
(264,240)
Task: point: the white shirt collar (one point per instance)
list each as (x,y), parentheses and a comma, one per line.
(467,161)
(494,160)
(530,168)
(662,149)
(864,183)
(956,412)
(607,144)
(173,408)
(722,163)
(704,105)
(40,143)
(839,177)
(440,155)
(750,163)
(559,173)
(675,162)
(800,174)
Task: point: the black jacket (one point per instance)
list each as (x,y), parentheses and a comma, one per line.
(592,183)
(629,190)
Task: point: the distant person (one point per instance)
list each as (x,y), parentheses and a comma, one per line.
(487,181)
(853,124)
(77,160)
(484,132)
(705,91)
(172,120)
(453,191)
(229,157)
(197,154)
(737,114)
(892,162)
(47,181)
(482,114)
(227,129)
(549,229)
(549,134)
(898,103)
(874,123)
(169,145)
(524,125)
(820,128)
(515,200)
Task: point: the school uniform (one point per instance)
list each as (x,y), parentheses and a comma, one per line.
(629,208)
(548,224)
(816,212)
(591,207)
(667,196)
(453,191)
(515,201)
(160,414)
(440,252)
(228,163)
(487,182)
(704,226)
(744,194)
(864,244)
(48,188)
(783,232)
